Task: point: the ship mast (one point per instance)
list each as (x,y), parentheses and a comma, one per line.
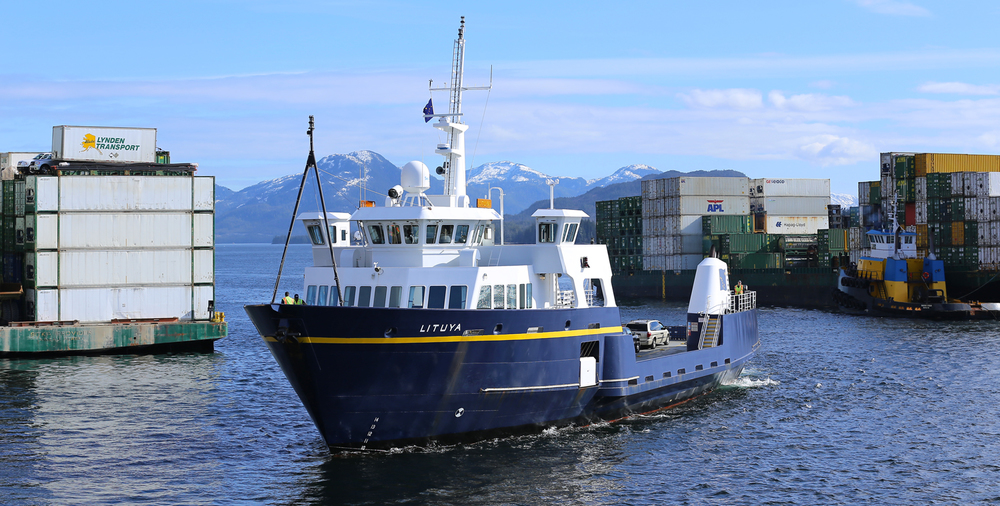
(453,152)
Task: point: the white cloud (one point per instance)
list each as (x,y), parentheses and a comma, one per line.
(735,98)
(893,7)
(833,150)
(960,88)
(808,102)
(823,84)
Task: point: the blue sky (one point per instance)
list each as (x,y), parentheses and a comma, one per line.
(772,89)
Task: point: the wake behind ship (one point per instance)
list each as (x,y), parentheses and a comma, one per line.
(432,329)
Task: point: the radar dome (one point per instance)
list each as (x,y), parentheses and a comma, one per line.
(414,177)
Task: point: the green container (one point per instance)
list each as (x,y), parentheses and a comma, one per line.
(726,224)
(972,234)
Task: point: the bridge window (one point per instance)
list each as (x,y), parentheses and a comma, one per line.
(416,297)
(376,234)
(379,297)
(349,295)
(461,234)
(477,236)
(395,293)
(570,233)
(333,234)
(411,233)
(498,296)
(511,296)
(334,296)
(311,294)
(547,232)
(393,234)
(432,231)
(321,300)
(485,296)
(446,234)
(364,296)
(457,298)
(435,297)
(315,234)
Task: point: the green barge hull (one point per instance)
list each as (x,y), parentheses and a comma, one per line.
(808,287)
(72,338)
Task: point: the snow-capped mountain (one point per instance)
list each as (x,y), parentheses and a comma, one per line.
(844,200)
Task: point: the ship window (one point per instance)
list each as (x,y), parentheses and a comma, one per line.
(446,233)
(511,296)
(477,235)
(343,235)
(311,295)
(498,297)
(546,232)
(528,287)
(723,284)
(485,294)
(435,297)
(349,295)
(364,296)
(432,231)
(416,297)
(323,291)
(521,287)
(411,233)
(570,233)
(376,233)
(461,234)
(394,295)
(909,240)
(379,297)
(315,234)
(488,234)
(334,296)
(457,298)
(393,234)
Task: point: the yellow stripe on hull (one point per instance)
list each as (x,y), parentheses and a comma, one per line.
(452,339)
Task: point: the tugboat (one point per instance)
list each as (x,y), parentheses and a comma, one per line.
(431,329)
(893,281)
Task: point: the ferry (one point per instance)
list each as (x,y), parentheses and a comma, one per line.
(893,280)
(424,327)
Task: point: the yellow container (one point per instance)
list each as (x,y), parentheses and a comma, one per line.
(958,233)
(927,163)
(922,237)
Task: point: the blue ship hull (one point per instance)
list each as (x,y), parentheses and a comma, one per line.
(381,377)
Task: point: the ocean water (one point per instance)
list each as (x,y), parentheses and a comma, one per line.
(833,409)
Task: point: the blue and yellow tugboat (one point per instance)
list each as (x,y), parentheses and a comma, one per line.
(893,280)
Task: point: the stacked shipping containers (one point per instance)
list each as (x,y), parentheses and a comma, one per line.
(103,248)
(791,206)
(619,226)
(672,211)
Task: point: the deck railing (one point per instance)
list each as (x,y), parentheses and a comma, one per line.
(742,302)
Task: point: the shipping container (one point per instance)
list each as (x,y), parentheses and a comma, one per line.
(119,268)
(123,230)
(120,193)
(789,187)
(707,206)
(795,224)
(946,162)
(727,224)
(91,305)
(707,186)
(104,144)
(791,206)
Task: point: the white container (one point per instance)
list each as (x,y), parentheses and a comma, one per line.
(864,193)
(122,230)
(119,268)
(970,209)
(774,224)
(707,186)
(709,205)
(920,212)
(793,206)
(921,188)
(121,193)
(104,144)
(982,209)
(8,162)
(768,187)
(89,305)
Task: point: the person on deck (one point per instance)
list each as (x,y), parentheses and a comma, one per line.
(287,299)
(298,300)
(739,287)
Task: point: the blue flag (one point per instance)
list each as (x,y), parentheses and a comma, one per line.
(428,111)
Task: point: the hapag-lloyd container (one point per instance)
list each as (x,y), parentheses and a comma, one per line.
(775,224)
(767,187)
(104,144)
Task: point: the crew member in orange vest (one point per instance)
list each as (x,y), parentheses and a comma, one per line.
(287,299)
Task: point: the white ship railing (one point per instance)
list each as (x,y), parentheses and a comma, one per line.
(565,298)
(742,302)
